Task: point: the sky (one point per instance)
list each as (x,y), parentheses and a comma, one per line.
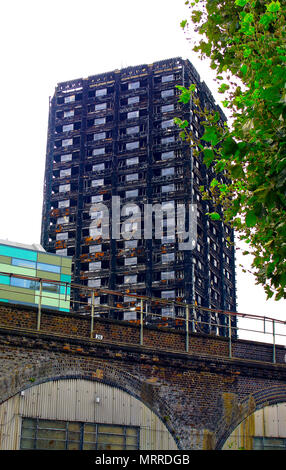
(46,42)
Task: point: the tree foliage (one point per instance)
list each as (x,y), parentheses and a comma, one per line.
(245,42)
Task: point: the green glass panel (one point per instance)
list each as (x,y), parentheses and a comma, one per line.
(47,275)
(89,446)
(50,444)
(7,268)
(4,280)
(27,443)
(67,262)
(49,259)
(5,259)
(110,429)
(65,278)
(110,439)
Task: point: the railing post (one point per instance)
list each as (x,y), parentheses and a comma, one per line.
(229,335)
(141,323)
(187,327)
(92,315)
(274,347)
(40,307)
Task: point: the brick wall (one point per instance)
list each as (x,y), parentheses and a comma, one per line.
(120,332)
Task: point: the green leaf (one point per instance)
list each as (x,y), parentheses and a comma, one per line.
(250,219)
(241,3)
(183,23)
(273,7)
(214,215)
(208,156)
(211,135)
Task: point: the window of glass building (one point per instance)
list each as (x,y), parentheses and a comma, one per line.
(131,244)
(62,252)
(167,140)
(133,100)
(168,155)
(64,188)
(68,128)
(69,99)
(167,312)
(132,130)
(96,183)
(99,151)
(100,106)
(62,236)
(168,275)
(97,198)
(130,261)
(98,167)
(133,85)
(132,145)
(64,203)
(95,266)
(168,294)
(168,187)
(165,124)
(167,108)
(101,92)
(24,283)
(49,267)
(168,171)
(69,113)
(133,114)
(67,142)
(72,435)
(94,282)
(65,173)
(99,136)
(95,248)
(132,161)
(66,158)
(130,279)
(167,78)
(167,93)
(168,257)
(132,177)
(131,193)
(23,263)
(99,121)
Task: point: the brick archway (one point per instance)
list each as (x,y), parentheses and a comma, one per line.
(110,375)
(241,411)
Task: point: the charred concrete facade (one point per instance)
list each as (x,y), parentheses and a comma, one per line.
(113,134)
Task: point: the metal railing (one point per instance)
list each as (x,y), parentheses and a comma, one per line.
(195,319)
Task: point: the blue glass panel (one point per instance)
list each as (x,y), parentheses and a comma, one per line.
(25,283)
(49,267)
(23,263)
(65,278)
(50,287)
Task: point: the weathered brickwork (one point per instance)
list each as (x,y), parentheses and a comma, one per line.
(201,395)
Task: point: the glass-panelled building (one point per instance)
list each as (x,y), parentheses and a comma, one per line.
(29,275)
(112,135)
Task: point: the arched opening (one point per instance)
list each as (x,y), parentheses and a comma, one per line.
(80,414)
(264,429)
